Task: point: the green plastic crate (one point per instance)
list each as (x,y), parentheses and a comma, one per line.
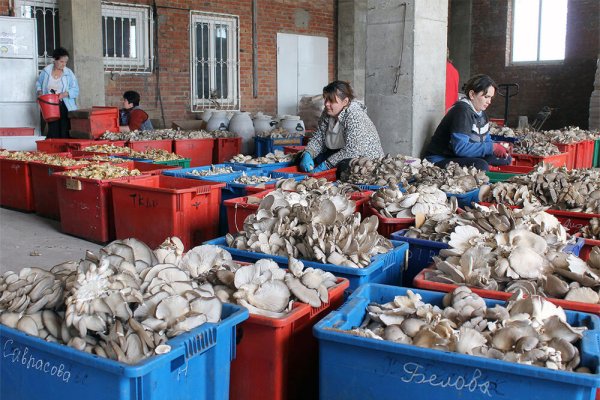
(500,176)
(596,162)
(182,162)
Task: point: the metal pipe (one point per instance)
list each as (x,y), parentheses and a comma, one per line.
(254,49)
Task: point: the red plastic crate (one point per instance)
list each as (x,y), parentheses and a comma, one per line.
(573,221)
(422,283)
(585,154)
(327,174)
(585,251)
(387,226)
(147,168)
(571,150)
(225,149)
(17,131)
(79,144)
(558,160)
(53,145)
(100,120)
(511,169)
(43,184)
(143,145)
(156,207)
(293,149)
(86,207)
(277,358)
(15,185)
(498,121)
(199,151)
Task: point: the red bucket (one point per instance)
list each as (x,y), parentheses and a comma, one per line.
(49,104)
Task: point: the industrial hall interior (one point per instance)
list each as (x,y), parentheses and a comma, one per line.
(299,200)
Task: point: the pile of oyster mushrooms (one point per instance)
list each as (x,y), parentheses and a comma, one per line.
(451,179)
(535,144)
(312,226)
(592,229)
(271,158)
(569,135)
(46,158)
(155,155)
(158,134)
(529,331)
(387,170)
(502,131)
(252,179)
(107,148)
(279,133)
(214,170)
(125,302)
(562,189)
(101,171)
(423,199)
(317,185)
(512,250)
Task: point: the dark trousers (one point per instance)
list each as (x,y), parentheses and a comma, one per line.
(60,128)
(479,163)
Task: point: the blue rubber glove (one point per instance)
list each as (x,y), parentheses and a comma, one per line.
(321,167)
(306,162)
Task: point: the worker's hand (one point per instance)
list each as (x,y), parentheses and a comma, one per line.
(321,167)
(500,151)
(63,95)
(306,162)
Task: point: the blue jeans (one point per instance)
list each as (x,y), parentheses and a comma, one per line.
(479,163)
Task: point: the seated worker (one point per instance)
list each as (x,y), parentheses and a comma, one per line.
(132,117)
(344,131)
(463,134)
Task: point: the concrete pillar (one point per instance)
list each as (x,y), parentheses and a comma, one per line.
(594,120)
(81,35)
(406,71)
(459,38)
(352,43)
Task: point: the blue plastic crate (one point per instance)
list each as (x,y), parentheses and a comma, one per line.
(266,145)
(499,138)
(384,268)
(264,167)
(352,367)
(197,367)
(465,199)
(187,172)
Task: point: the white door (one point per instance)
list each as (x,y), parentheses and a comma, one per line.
(302,69)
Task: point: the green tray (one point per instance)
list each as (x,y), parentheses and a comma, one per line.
(596,162)
(500,176)
(182,162)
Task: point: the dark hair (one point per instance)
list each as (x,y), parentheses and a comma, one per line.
(479,83)
(133,97)
(340,89)
(59,52)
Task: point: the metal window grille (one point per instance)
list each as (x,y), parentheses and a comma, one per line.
(214,61)
(48,33)
(127,41)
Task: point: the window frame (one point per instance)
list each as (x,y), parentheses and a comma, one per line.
(44,4)
(537,61)
(144,61)
(232,102)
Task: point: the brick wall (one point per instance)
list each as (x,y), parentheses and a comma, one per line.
(566,86)
(173,52)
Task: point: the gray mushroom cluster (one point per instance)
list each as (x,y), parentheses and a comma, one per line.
(271,158)
(504,131)
(422,199)
(592,229)
(252,179)
(311,226)
(569,135)
(451,179)
(158,134)
(535,144)
(529,331)
(515,250)
(559,188)
(387,170)
(214,170)
(279,133)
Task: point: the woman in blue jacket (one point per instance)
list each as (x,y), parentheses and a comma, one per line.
(57,78)
(463,134)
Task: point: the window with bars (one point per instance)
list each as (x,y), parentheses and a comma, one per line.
(48,33)
(127,37)
(214,59)
(539,30)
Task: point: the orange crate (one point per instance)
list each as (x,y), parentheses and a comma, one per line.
(86,206)
(422,283)
(143,145)
(277,358)
(187,208)
(585,154)
(98,121)
(199,151)
(571,150)
(558,160)
(387,226)
(43,184)
(225,149)
(16,190)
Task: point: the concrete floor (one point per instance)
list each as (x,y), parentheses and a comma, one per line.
(28,240)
